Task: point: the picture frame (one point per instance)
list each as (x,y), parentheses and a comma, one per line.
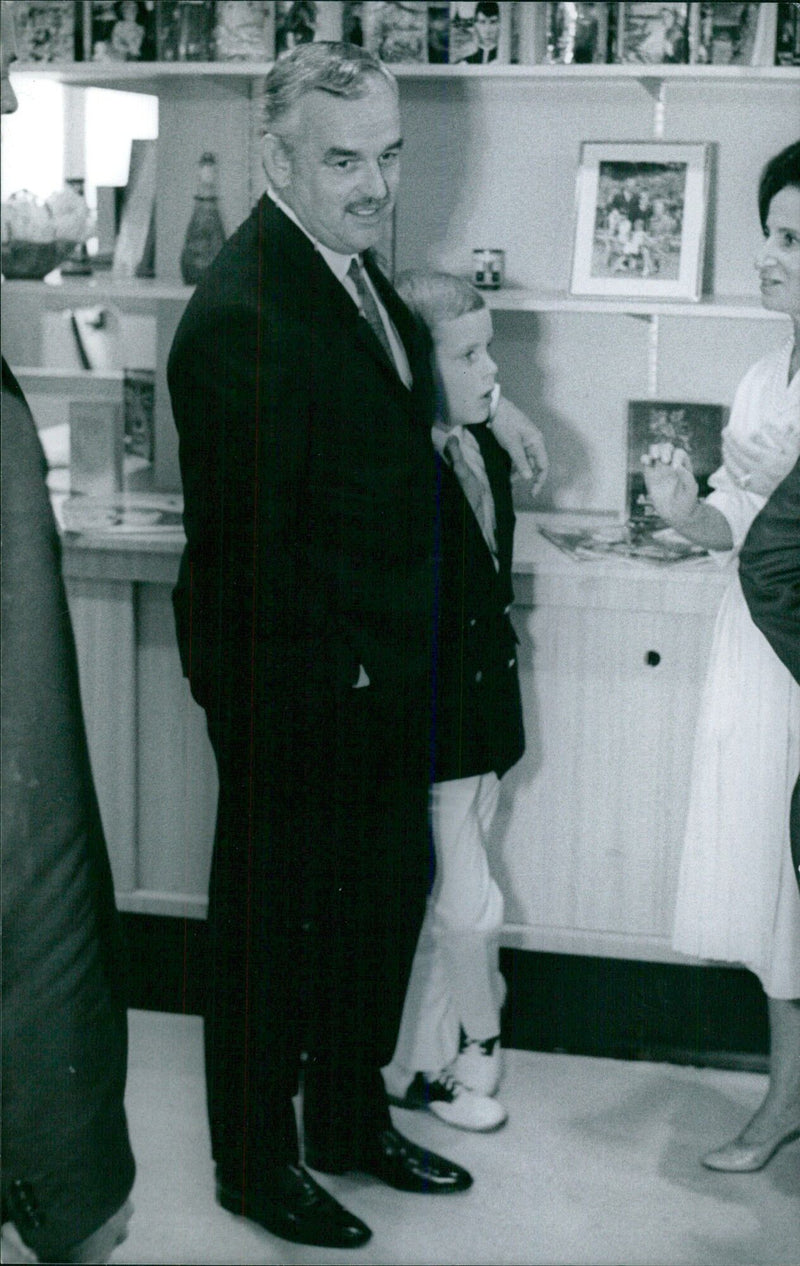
(694,426)
(640,219)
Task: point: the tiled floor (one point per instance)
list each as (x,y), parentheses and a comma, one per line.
(597,1164)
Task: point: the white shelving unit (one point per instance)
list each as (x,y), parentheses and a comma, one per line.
(589,831)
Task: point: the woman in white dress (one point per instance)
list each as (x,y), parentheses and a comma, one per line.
(737,898)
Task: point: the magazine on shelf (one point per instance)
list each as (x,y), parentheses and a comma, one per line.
(120,30)
(397,33)
(185,30)
(696,428)
(652,34)
(575,33)
(727,34)
(305,21)
(124,514)
(480,34)
(46,31)
(627,541)
(787,47)
(244,30)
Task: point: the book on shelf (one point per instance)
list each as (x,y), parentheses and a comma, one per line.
(47,31)
(124,514)
(652,34)
(787,45)
(244,30)
(696,428)
(134,249)
(185,30)
(120,30)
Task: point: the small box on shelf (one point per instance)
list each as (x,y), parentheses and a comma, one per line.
(96,446)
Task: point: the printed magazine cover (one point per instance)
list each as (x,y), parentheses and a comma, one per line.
(696,428)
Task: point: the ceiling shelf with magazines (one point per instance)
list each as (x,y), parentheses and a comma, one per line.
(149,76)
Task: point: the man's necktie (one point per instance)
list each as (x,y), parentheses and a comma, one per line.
(476,487)
(369,308)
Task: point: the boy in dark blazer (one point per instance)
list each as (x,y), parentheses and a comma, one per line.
(447,1057)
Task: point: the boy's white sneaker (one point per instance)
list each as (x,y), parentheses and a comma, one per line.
(478,1064)
(449,1100)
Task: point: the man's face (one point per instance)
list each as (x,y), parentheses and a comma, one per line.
(344,166)
(8,54)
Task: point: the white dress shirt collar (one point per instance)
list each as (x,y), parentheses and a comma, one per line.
(337,263)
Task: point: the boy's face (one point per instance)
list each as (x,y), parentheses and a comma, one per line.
(466,370)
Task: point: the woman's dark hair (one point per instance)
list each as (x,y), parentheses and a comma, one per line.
(780,171)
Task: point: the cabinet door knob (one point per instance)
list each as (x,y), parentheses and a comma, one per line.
(652,658)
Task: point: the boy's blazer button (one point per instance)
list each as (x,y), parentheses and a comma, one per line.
(507,609)
(472,622)
(512,661)
(479,675)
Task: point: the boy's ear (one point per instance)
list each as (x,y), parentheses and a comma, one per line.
(277,159)
(442,415)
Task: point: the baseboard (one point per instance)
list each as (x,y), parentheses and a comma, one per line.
(565,1003)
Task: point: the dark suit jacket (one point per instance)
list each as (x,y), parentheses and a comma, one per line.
(64,1032)
(309,487)
(478,712)
(769,570)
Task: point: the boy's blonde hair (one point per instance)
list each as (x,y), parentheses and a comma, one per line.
(437,297)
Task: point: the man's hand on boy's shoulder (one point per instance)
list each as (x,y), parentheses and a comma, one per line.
(523,442)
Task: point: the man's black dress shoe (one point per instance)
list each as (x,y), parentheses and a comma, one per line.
(398,1162)
(297,1208)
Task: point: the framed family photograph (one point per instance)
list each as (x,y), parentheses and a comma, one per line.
(640,219)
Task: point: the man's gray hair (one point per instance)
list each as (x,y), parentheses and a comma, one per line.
(437,297)
(344,70)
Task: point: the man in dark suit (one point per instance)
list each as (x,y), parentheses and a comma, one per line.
(769,571)
(302,391)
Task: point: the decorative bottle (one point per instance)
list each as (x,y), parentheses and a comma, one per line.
(205,233)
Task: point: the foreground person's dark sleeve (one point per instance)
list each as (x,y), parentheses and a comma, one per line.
(67,1163)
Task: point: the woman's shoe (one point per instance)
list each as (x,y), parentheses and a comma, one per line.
(738,1157)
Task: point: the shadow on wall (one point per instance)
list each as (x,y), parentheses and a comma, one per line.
(520,350)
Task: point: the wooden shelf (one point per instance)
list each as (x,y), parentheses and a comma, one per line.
(102,287)
(154,76)
(721,306)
